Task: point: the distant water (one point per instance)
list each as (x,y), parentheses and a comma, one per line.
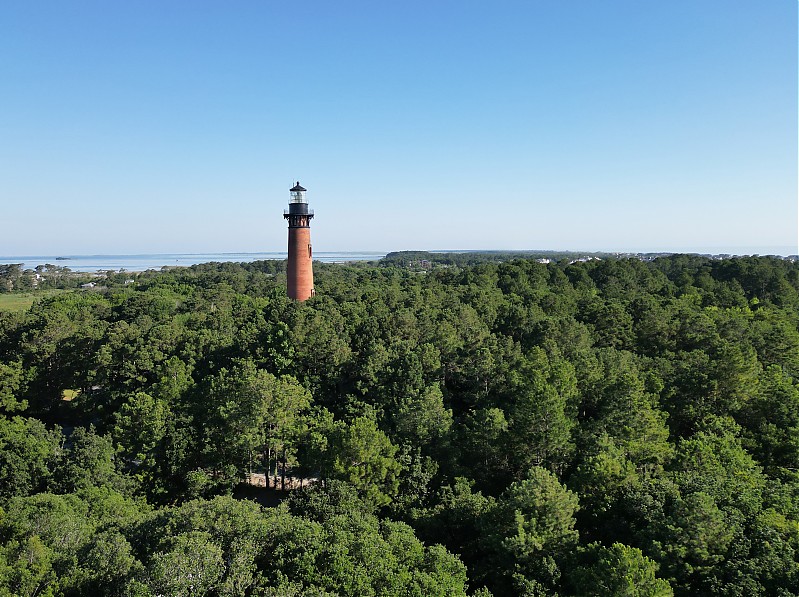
(140,263)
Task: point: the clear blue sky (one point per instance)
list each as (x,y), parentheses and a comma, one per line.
(143,127)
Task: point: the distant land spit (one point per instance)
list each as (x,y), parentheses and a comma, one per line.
(145,261)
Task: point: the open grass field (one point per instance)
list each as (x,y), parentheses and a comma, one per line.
(23,300)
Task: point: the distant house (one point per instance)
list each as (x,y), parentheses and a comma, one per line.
(584,260)
(88,285)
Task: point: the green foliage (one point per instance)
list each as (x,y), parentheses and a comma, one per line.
(616,405)
(604,479)
(531,530)
(324,502)
(28,456)
(362,455)
(11,376)
(26,568)
(89,461)
(617,571)
(68,544)
(715,463)
(456,518)
(477,398)
(771,423)
(542,394)
(141,424)
(188,564)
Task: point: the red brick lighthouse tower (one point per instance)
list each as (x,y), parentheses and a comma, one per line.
(300,266)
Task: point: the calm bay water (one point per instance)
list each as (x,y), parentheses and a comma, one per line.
(140,263)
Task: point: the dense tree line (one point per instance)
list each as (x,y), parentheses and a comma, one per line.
(469,258)
(13,278)
(609,427)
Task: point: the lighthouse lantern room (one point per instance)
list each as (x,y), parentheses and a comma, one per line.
(299,272)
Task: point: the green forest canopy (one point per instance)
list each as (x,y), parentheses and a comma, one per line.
(505,427)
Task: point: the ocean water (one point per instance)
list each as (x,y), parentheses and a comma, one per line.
(140,263)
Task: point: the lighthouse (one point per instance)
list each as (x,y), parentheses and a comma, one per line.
(300,267)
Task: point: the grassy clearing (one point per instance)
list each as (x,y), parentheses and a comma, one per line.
(69,395)
(21,301)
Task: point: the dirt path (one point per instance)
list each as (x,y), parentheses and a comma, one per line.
(274,482)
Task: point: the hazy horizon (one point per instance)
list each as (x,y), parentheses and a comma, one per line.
(782,251)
